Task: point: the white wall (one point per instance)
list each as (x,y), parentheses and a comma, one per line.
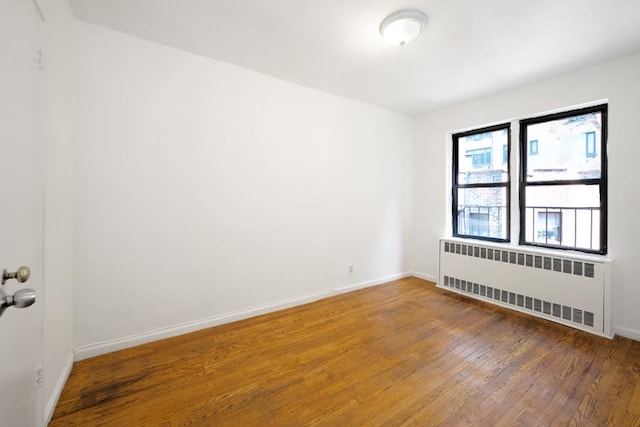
(617,81)
(205,189)
(58,197)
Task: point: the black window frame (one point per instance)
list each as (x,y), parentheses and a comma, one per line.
(456,185)
(602,182)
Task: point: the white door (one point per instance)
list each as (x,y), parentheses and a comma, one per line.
(21,330)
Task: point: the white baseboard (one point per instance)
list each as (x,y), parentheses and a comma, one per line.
(92,350)
(632,334)
(57,389)
(425,276)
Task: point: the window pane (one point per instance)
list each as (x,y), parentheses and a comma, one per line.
(563,215)
(565,149)
(480,157)
(482,212)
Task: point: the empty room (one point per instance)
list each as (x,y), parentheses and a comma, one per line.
(244,212)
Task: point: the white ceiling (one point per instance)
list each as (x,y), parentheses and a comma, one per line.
(469,48)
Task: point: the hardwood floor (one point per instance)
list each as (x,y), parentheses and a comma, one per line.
(403,353)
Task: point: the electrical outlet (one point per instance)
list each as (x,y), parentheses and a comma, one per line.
(350,269)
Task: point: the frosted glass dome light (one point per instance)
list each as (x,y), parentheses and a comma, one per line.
(403,26)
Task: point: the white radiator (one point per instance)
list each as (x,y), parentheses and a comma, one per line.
(568,289)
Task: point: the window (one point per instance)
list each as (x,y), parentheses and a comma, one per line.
(548,226)
(480,184)
(480,157)
(563,194)
(590,142)
(479,222)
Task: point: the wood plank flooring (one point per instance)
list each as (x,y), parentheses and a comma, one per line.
(403,353)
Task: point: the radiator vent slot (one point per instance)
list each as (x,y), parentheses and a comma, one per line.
(522,302)
(577,268)
(537,305)
(588,318)
(556,310)
(588,270)
(577,315)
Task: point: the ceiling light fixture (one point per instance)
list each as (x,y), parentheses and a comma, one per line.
(403,26)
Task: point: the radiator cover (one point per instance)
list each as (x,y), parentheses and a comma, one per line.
(569,289)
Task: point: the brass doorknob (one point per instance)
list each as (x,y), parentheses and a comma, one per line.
(22,274)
